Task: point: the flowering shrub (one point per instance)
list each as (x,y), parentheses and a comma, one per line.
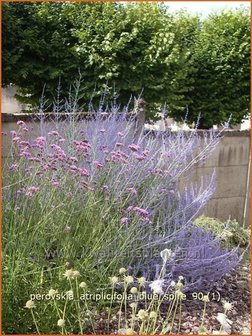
(97,195)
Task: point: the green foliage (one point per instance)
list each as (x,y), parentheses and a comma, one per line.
(232,233)
(38,48)
(124,48)
(222,61)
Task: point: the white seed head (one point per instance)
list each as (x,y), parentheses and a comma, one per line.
(166,255)
(227,305)
(113,280)
(122,270)
(30,304)
(205,298)
(83,284)
(69,274)
(76,274)
(61,323)
(129,279)
(142,314)
(52,292)
(157,286)
(141,281)
(133,290)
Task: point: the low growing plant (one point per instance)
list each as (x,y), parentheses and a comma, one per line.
(130,310)
(231,233)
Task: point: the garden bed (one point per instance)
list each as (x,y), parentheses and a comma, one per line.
(85,201)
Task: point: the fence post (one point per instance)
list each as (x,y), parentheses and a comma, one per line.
(139,111)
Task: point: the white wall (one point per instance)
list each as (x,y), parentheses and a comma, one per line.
(9,103)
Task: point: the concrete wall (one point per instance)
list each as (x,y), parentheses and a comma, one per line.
(9,102)
(231,163)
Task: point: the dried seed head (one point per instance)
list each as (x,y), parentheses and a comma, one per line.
(122,270)
(83,284)
(61,323)
(133,290)
(30,304)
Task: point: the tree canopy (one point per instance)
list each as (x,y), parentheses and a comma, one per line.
(180,59)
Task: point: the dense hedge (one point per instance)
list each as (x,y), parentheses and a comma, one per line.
(175,58)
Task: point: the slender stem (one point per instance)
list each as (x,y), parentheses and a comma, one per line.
(77,304)
(180,315)
(35,322)
(175,310)
(110,306)
(203,315)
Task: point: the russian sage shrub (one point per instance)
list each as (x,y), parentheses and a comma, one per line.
(93,194)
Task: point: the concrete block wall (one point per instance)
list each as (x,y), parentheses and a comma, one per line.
(230,161)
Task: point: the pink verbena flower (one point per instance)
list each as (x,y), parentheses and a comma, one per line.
(139,157)
(73,168)
(73,158)
(21,123)
(124,220)
(16,139)
(13,167)
(119,144)
(55,133)
(56,147)
(141,211)
(83,172)
(134,147)
(25,154)
(34,159)
(133,191)
(98,165)
(31,190)
(55,184)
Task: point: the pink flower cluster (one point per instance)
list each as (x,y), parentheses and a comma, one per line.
(143,213)
(48,157)
(32,190)
(118,157)
(23,126)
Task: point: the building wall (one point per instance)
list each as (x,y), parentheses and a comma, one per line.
(9,102)
(230,161)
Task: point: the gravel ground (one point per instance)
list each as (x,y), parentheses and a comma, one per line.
(234,288)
